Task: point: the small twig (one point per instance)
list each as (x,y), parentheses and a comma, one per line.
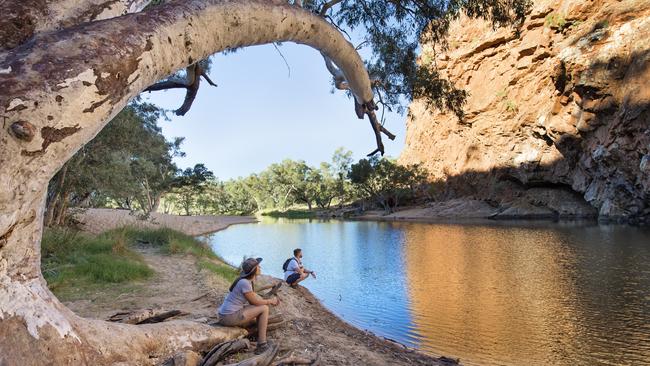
(285,60)
(207,78)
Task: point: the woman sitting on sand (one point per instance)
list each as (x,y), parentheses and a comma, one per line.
(242,306)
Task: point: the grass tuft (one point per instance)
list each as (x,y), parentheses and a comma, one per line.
(71,259)
(170,241)
(220,269)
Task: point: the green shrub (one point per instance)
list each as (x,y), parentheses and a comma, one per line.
(108,268)
(291,214)
(556,21)
(511,106)
(602,24)
(168,240)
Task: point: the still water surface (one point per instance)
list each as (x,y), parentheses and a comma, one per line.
(531,294)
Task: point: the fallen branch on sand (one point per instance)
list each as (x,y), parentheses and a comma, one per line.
(224,349)
(293,360)
(146,316)
(263,359)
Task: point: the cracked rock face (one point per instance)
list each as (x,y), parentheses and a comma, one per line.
(564,106)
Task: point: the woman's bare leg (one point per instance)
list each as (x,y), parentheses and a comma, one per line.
(261,312)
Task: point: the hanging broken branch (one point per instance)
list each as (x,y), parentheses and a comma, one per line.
(191,83)
(360,109)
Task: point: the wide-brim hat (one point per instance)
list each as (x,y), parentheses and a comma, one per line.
(248,266)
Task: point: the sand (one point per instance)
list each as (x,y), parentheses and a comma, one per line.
(96,220)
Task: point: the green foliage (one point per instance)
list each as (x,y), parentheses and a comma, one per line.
(387,182)
(290,214)
(278,187)
(129,164)
(511,106)
(222,270)
(190,184)
(394,31)
(602,24)
(72,260)
(556,21)
(169,241)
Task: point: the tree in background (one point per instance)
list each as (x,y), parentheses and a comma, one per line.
(129,165)
(190,185)
(340,167)
(386,182)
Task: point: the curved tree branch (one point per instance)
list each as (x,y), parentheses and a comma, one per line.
(194,79)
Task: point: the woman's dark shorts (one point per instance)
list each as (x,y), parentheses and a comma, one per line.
(293,278)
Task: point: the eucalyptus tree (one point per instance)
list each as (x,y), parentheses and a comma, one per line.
(68,66)
(128,163)
(191,184)
(385,182)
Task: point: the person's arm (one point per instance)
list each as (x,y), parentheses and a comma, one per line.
(295,267)
(256,299)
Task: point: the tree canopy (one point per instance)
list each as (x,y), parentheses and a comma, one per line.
(129,165)
(394,30)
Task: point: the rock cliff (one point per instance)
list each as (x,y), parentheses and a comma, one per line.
(558,116)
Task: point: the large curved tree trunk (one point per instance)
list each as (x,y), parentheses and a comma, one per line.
(57,91)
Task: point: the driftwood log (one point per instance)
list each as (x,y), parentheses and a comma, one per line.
(273,291)
(146,316)
(224,349)
(263,359)
(293,360)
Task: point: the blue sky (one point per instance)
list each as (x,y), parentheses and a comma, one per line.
(259,115)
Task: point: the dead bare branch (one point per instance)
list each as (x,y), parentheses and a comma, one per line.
(221,350)
(283,58)
(263,359)
(167,84)
(207,78)
(146,316)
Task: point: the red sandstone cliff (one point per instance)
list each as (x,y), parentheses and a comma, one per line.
(558,117)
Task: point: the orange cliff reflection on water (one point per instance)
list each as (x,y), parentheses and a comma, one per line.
(489,302)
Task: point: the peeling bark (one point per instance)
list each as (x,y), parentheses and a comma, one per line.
(25,18)
(68,84)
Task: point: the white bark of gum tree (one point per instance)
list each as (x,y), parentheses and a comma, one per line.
(57,91)
(23,19)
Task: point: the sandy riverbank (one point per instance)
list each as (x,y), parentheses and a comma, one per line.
(96,220)
(309,329)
